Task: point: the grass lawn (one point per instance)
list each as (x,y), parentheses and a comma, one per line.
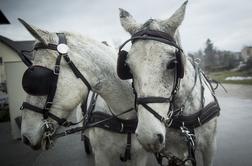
(220,76)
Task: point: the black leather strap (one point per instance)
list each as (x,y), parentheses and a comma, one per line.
(146,100)
(152,35)
(53,87)
(197,119)
(60,121)
(111,123)
(76,71)
(127,155)
(153,112)
(44,46)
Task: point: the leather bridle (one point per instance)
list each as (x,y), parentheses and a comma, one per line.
(45,111)
(185,123)
(169,40)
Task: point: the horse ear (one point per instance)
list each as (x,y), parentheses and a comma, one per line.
(41,35)
(175,20)
(128,22)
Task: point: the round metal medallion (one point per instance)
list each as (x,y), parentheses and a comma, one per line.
(62,48)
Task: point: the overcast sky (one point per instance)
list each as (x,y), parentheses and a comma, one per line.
(228,23)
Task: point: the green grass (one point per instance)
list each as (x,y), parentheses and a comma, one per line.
(220,76)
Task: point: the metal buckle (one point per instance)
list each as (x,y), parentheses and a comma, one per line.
(47,107)
(49,128)
(170,114)
(49,131)
(197,60)
(122,127)
(56,69)
(182,108)
(188,135)
(199,121)
(168,122)
(65,124)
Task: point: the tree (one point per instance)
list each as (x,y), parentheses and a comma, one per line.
(210,59)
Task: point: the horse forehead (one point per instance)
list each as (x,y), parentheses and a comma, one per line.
(150,52)
(152,24)
(45,57)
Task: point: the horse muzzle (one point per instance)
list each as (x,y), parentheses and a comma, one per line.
(153,144)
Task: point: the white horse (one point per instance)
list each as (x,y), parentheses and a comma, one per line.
(155,69)
(96,62)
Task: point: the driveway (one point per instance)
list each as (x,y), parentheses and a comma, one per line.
(234,138)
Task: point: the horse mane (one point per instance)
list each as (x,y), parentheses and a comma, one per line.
(153,24)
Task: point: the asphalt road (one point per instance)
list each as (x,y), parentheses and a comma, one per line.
(234,147)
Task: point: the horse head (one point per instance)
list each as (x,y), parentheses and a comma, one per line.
(39,81)
(156,63)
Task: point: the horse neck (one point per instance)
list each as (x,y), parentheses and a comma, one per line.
(97,62)
(190,96)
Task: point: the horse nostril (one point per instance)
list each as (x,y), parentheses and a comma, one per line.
(160,138)
(26,140)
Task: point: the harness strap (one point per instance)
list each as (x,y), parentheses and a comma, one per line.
(60,121)
(154,113)
(126,126)
(112,123)
(146,100)
(127,155)
(53,87)
(197,119)
(152,35)
(76,71)
(88,112)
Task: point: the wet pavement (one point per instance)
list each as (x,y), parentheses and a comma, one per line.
(234,138)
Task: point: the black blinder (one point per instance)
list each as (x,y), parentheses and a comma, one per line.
(123,70)
(37,80)
(181,68)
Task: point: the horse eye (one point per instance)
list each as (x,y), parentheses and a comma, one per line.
(171,65)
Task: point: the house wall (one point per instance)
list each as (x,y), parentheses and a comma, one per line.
(16,95)
(14,69)
(246,53)
(2,73)
(8,54)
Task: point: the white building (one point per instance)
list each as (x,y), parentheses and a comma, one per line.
(246,53)
(11,70)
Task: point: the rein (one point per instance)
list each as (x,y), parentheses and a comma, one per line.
(89,125)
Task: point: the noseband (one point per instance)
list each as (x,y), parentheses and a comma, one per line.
(40,81)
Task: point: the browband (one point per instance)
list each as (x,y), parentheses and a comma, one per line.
(152,35)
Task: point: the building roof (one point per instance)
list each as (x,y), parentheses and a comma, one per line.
(18,47)
(3,19)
